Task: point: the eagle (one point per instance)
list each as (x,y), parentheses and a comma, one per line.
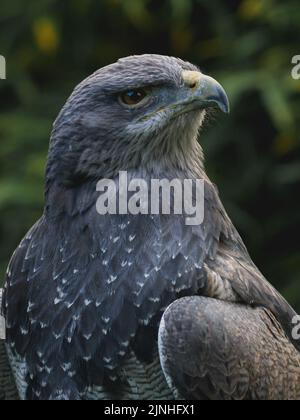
(140,306)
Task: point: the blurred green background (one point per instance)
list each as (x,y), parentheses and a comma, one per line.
(253,155)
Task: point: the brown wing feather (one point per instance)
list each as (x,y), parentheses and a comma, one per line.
(218,350)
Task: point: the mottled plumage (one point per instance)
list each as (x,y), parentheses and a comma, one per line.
(211,349)
(85,293)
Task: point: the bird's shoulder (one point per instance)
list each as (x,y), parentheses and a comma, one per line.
(240,279)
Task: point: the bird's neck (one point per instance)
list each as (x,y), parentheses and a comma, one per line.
(165,157)
(179,163)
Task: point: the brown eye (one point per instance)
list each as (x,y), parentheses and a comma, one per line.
(133,97)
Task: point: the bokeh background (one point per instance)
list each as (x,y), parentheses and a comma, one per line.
(253,156)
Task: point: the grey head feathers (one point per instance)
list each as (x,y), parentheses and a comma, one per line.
(95,136)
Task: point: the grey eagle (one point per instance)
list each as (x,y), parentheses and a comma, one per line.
(123,306)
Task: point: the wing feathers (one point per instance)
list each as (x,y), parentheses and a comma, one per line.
(216,350)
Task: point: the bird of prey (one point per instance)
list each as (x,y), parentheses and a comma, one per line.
(124,306)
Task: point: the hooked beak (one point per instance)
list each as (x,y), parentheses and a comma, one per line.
(206,92)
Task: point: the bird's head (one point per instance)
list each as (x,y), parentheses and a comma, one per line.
(140,112)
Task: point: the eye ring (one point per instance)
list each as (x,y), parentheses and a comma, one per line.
(133,97)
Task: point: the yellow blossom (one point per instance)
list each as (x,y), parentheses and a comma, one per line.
(46,36)
(250,9)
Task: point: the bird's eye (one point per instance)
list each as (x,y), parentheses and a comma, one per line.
(133,97)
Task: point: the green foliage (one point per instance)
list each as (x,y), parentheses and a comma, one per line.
(248,45)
